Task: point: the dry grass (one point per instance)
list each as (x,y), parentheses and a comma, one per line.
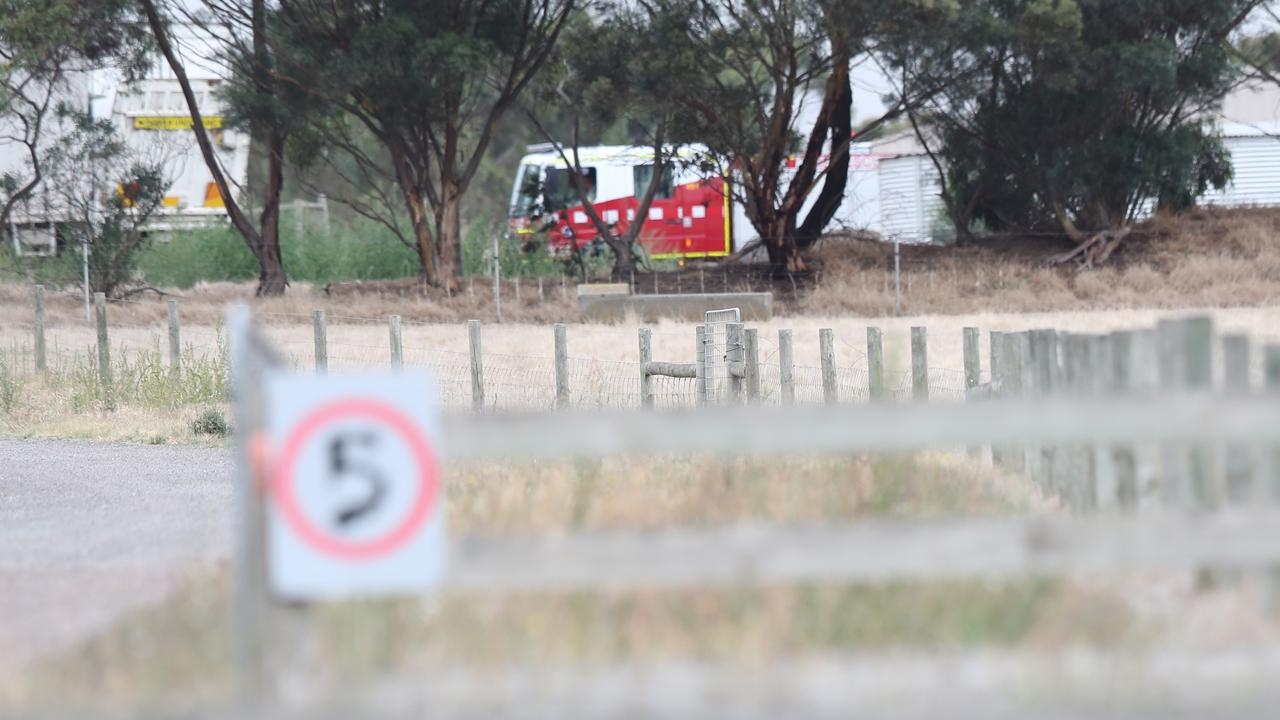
(176,657)
(1207,258)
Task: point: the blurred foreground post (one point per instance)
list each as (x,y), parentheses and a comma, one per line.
(995,342)
(1237,474)
(1123,457)
(1048,378)
(38,299)
(104,352)
(827,353)
(321,342)
(175,342)
(561,332)
(1102,385)
(875,364)
(1204,480)
(972,372)
(477,365)
(786,368)
(397,343)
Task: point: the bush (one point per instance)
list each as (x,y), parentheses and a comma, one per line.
(358,251)
(211,422)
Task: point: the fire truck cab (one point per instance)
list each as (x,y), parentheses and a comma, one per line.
(690,217)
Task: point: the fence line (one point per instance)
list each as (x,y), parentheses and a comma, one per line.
(871,551)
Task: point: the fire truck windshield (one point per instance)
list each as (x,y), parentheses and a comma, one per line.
(562,187)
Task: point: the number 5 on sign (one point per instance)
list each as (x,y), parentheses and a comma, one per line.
(356,503)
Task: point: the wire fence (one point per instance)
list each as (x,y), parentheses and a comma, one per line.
(510,379)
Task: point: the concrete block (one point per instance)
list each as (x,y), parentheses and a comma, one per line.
(693,306)
(604,289)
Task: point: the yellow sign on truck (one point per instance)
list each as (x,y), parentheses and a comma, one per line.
(174,122)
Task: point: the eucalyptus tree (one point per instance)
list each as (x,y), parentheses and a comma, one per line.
(259,99)
(763,64)
(1074,117)
(44,45)
(430,80)
(615,68)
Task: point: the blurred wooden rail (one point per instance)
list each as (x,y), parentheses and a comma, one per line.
(871,551)
(854,428)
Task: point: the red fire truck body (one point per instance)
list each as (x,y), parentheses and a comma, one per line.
(690,216)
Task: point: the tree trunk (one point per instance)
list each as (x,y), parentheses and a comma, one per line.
(833,186)
(449,235)
(412,196)
(624,257)
(780,241)
(272,279)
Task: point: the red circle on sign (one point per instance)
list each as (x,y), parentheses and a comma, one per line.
(282,481)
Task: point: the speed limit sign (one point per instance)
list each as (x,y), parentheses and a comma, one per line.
(355,497)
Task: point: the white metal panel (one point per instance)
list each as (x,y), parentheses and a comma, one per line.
(1256,161)
(910,198)
(900,201)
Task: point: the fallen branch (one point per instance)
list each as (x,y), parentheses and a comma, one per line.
(1094,251)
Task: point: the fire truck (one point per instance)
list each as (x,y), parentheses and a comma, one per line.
(693,214)
(690,216)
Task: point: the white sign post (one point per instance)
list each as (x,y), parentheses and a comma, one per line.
(356,505)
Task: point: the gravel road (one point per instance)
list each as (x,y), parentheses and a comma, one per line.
(90,531)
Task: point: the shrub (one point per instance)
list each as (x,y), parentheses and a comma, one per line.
(211,422)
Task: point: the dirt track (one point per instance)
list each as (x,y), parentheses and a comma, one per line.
(91,531)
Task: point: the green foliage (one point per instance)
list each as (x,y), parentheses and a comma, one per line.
(1263,53)
(111,222)
(430,80)
(43,42)
(211,422)
(1061,114)
(9,387)
(215,254)
(355,251)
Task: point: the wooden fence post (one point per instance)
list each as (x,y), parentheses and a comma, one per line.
(827,354)
(972,372)
(38,299)
(972,358)
(786,367)
(477,365)
(1045,382)
(875,364)
(1238,475)
(1102,384)
(920,364)
(700,363)
(321,342)
(735,358)
(562,366)
(1170,348)
(1124,457)
(104,351)
(1077,359)
(997,362)
(1011,362)
(995,342)
(1204,481)
(1144,379)
(1270,481)
(1029,383)
(175,342)
(752,357)
(397,343)
(646,356)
